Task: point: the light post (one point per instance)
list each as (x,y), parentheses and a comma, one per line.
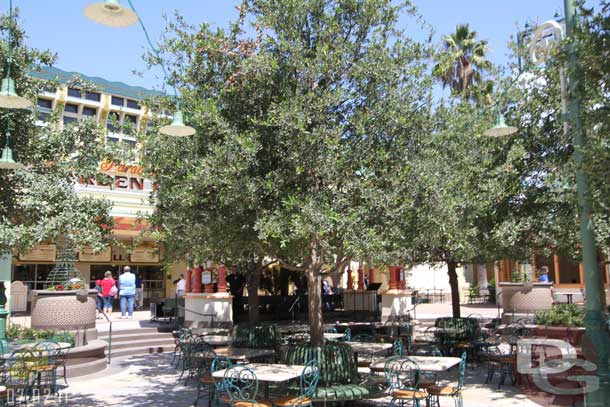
(596,329)
(546,37)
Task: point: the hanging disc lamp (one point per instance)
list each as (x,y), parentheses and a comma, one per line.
(500,129)
(111,13)
(177,128)
(9,99)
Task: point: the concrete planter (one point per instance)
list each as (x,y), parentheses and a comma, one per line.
(64,311)
(571,334)
(520,300)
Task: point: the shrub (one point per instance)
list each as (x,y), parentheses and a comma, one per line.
(18,333)
(562,315)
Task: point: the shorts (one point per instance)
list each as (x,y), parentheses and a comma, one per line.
(108,302)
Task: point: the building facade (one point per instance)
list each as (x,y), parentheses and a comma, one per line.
(117,106)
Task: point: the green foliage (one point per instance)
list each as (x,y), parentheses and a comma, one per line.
(39,203)
(562,315)
(20,334)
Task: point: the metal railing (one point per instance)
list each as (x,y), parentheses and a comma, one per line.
(109,337)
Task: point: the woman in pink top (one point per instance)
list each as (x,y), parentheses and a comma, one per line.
(107,283)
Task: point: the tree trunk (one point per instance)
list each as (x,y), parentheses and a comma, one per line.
(335,277)
(316,320)
(455,290)
(253,283)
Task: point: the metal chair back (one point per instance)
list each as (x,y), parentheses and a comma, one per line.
(461,371)
(397,347)
(347,335)
(401,373)
(363,338)
(310,378)
(241,384)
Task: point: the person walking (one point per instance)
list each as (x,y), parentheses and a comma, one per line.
(139,293)
(180,286)
(127,292)
(109,292)
(99,300)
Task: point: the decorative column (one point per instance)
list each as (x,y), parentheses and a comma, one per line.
(394,274)
(189,276)
(360,278)
(371,275)
(196,280)
(222,279)
(350,280)
(402,278)
(209,288)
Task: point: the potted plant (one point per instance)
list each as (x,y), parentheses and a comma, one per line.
(565,322)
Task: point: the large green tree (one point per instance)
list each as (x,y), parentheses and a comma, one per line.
(38,203)
(301,131)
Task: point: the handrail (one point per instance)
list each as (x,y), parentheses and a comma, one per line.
(109,337)
(196,313)
(291,309)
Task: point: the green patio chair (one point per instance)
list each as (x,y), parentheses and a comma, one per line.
(435,392)
(402,376)
(308,384)
(241,385)
(205,381)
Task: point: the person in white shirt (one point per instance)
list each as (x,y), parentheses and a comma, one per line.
(180,286)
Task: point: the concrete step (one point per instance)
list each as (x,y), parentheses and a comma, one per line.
(82,369)
(145,342)
(136,336)
(141,350)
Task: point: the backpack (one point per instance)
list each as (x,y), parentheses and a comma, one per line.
(113,291)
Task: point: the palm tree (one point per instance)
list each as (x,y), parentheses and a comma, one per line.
(463,62)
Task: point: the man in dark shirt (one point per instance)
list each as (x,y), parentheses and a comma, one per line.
(236,287)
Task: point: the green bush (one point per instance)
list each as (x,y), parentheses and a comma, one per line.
(18,333)
(562,315)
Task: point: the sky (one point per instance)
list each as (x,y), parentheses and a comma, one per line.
(115,53)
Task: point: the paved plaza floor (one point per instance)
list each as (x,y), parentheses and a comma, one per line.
(149,380)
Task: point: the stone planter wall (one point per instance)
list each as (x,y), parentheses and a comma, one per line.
(521,300)
(64,311)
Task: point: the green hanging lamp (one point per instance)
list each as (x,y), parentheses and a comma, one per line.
(500,129)
(177,128)
(9,99)
(111,13)
(7,162)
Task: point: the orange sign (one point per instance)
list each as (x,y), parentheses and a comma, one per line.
(109,166)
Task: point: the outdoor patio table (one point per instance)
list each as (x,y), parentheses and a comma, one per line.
(243,354)
(218,340)
(426,363)
(270,372)
(369,347)
(332,336)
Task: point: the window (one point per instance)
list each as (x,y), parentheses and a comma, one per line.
(112,139)
(42,116)
(45,103)
(68,119)
(92,96)
(70,108)
(133,104)
(130,143)
(117,101)
(114,121)
(89,111)
(131,119)
(75,93)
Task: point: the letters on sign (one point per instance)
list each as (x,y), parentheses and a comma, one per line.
(206,277)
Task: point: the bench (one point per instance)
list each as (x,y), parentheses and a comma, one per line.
(258,336)
(339,378)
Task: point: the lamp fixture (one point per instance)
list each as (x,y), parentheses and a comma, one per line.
(500,129)
(7,162)
(9,99)
(111,13)
(177,128)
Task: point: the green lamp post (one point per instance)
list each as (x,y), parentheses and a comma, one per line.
(596,329)
(5,275)
(110,13)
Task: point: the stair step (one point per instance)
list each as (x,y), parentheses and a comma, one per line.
(146,342)
(82,369)
(141,350)
(120,336)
